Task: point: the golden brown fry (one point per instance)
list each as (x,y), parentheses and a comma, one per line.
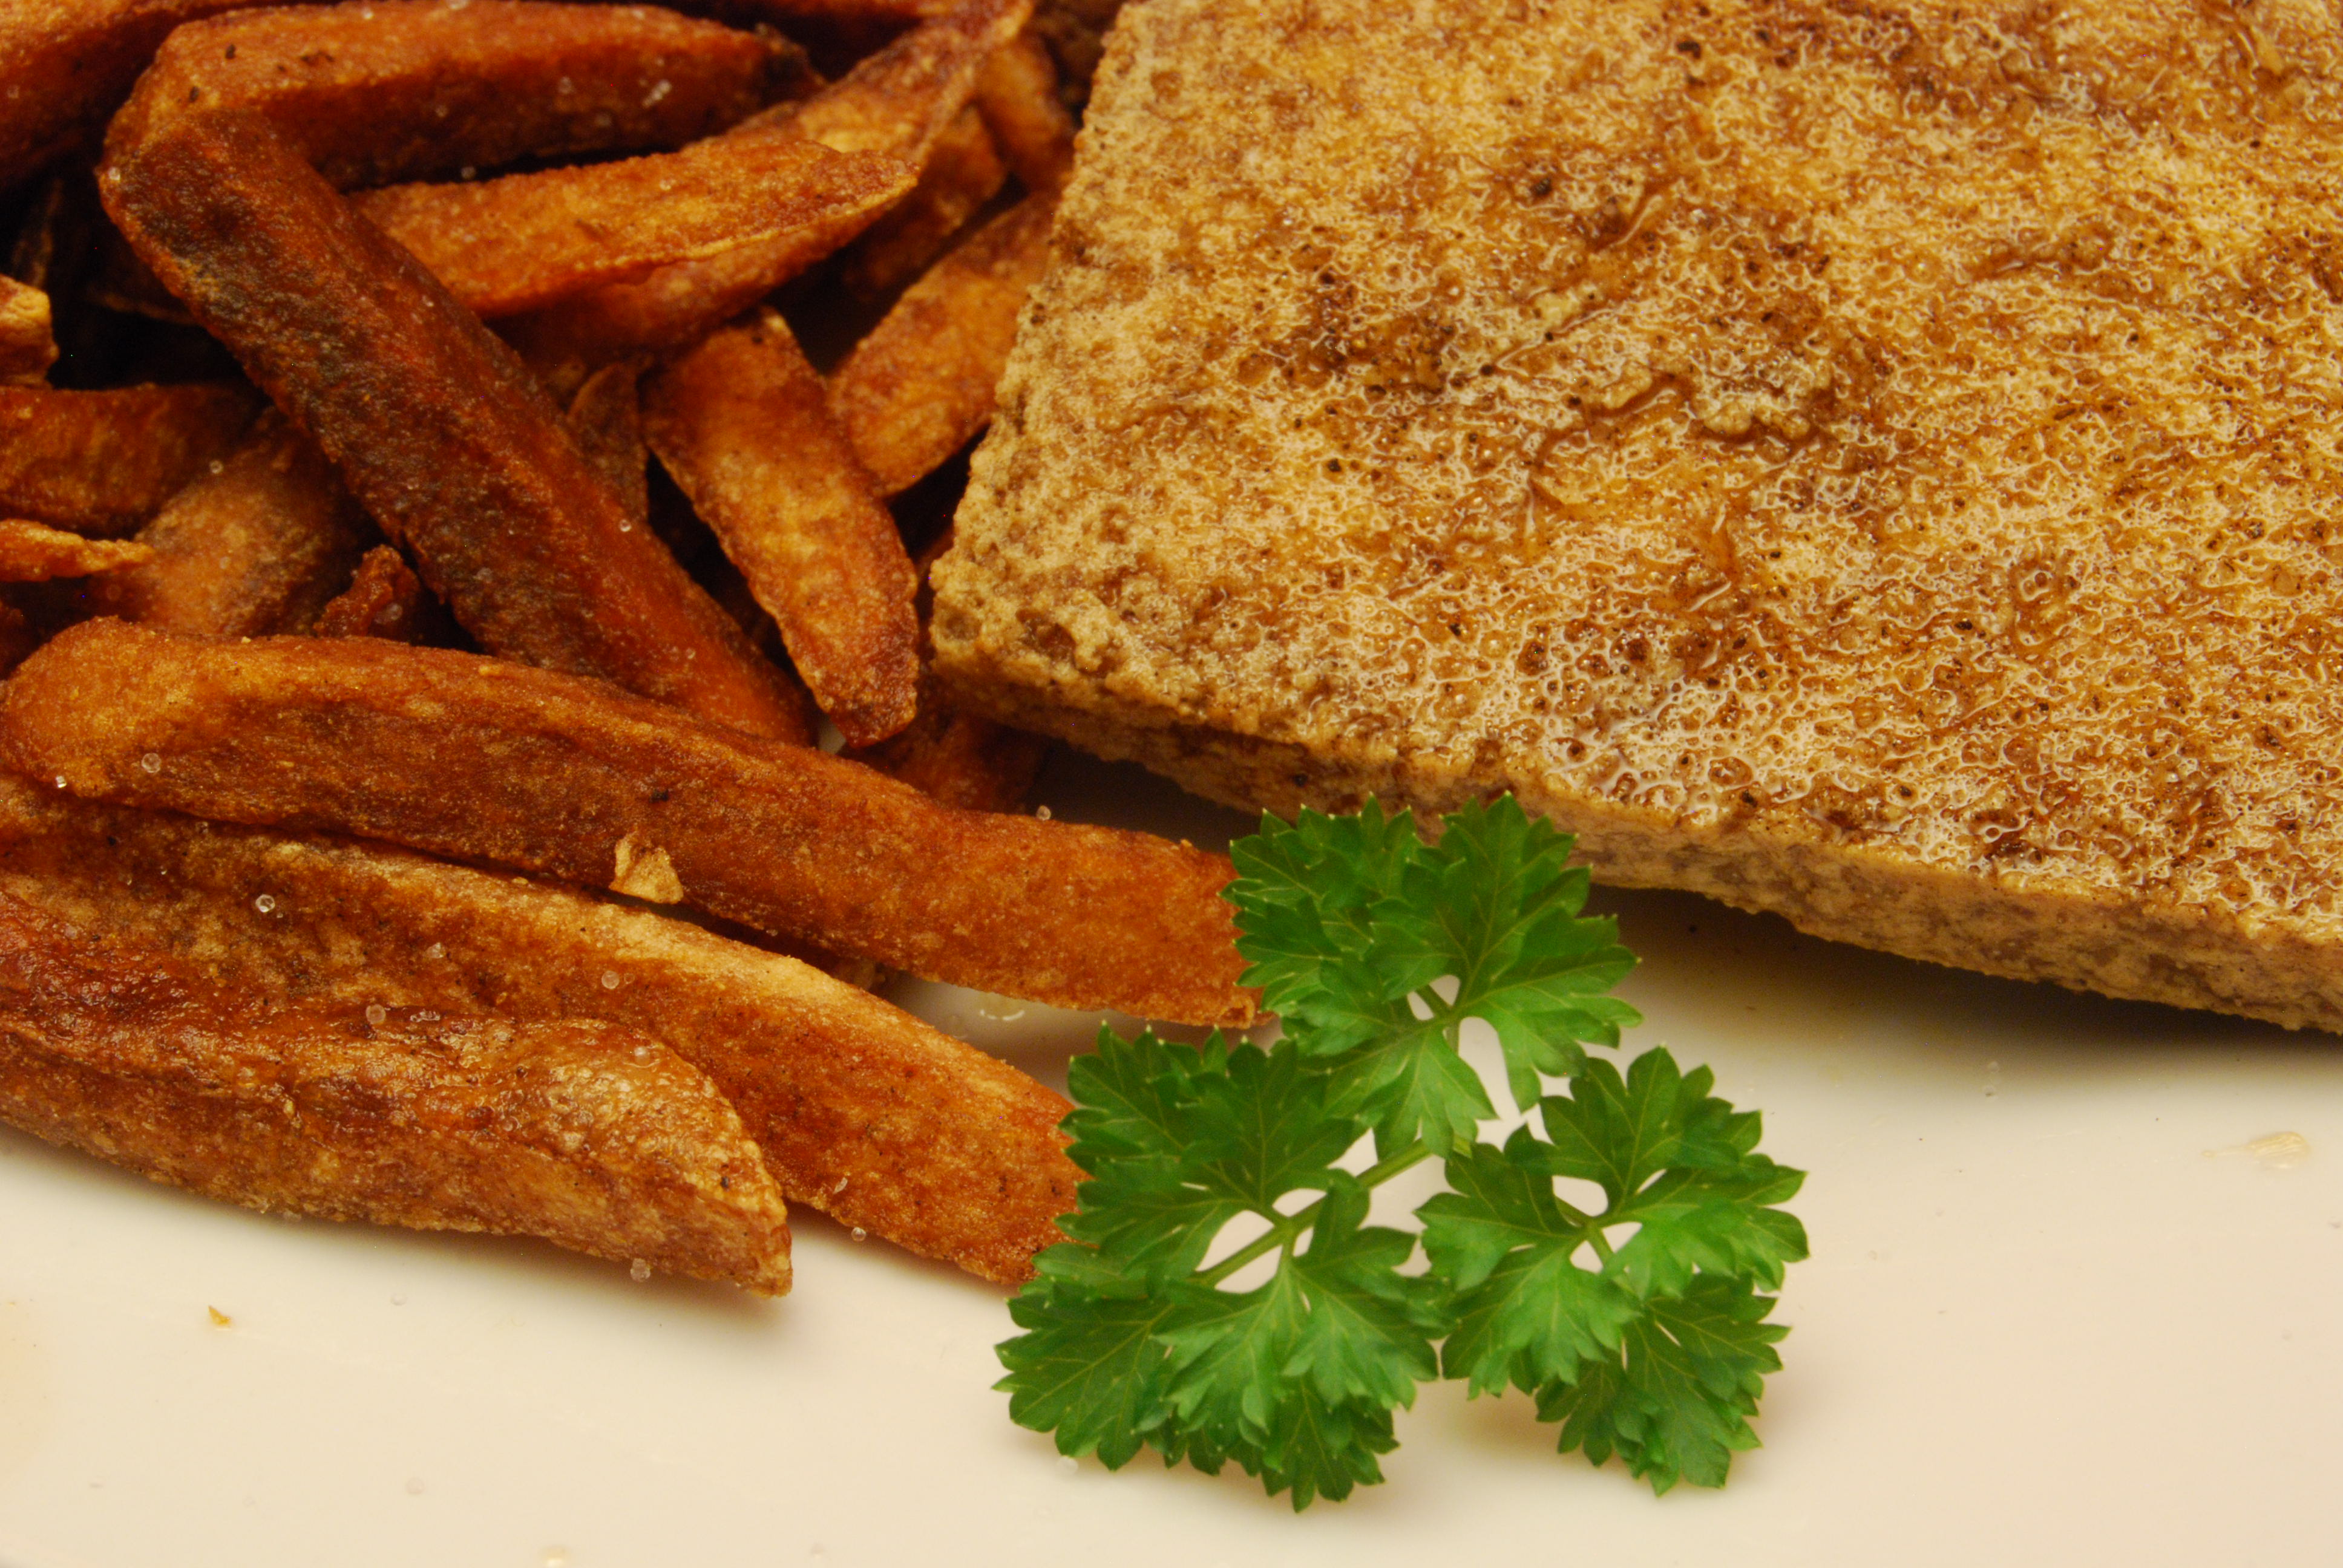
(606,420)
(27,346)
(963,173)
(257,546)
(65,64)
(958,759)
(903,98)
(384,599)
(517,244)
(100,463)
(437,429)
(591,1136)
(954,756)
(860,1110)
(741,424)
(914,390)
(896,102)
(1017,92)
(34,553)
(389,90)
(526,767)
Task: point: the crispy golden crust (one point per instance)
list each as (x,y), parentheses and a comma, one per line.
(381,90)
(27,344)
(499,762)
(258,546)
(65,64)
(437,430)
(896,103)
(605,419)
(100,463)
(922,383)
(34,553)
(859,1110)
(591,1136)
(527,241)
(384,598)
(1866,464)
(741,423)
(1018,93)
(964,171)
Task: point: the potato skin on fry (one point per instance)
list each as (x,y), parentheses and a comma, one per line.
(437,430)
(527,241)
(590,1136)
(257,547)
(100,463)
(859,1110)
(914,390)
(385,91)
(741,423)
(492,762)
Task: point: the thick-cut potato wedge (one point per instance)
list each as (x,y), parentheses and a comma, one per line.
(526,767)
(741,423)
(376,93)
(65,64)
(507,246)
(897,103)
(437,430)
(34,553)
(958,759)
(860,1110)
(100,463)
(27,344)
(255,548)
(913,391)
(1017,92)
(589,1135)
(385,598)
(963,173)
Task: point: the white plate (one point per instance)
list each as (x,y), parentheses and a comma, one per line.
(2062,1308)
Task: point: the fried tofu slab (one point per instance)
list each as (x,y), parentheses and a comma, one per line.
(1873,464)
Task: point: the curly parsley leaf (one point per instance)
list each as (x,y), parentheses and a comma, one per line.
(1638,1328)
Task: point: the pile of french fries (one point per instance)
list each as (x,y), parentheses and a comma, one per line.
(413,808)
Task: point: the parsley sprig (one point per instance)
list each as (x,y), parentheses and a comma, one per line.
(1639,1327)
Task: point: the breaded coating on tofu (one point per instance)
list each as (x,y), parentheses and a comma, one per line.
(1876,463)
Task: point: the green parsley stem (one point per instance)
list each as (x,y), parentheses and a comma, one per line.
(1286,1229)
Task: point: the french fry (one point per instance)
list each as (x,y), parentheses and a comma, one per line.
(963,173)
(100,463)
(437,430)
(896,103)
(65,64)
(922,383)
(27,344)
(606,420)
(34,553)
(1017,92)
(258,546)
(517,244)
(954,755)
(593,1137)
(385,91)
(497,762)
(860,1110)
(384,599)
(741,424)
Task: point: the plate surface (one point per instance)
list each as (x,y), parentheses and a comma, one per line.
(2072,1299)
